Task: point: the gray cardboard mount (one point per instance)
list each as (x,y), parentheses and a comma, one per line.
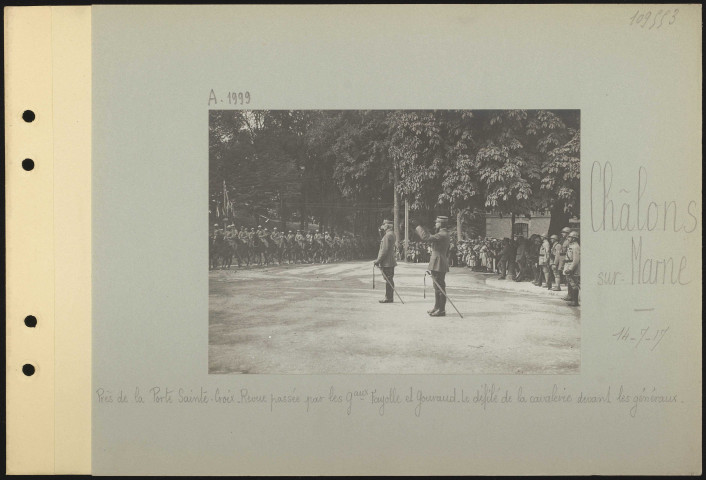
(639,93)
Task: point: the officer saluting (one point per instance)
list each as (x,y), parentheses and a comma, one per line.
(438,263)
(386,260)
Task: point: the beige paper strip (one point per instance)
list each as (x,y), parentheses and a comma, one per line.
(48,71)
(29,249)
(71,43)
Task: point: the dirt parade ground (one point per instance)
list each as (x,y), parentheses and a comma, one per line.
(326,319)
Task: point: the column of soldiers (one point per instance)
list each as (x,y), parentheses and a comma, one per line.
(559,261)
(261,246)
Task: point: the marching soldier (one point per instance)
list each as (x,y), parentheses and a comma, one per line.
(556,261)
(243,234)
(572,268)
(386,260)
(438,263)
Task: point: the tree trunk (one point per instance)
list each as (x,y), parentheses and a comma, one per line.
(559,219)
(396,210)
(459,225)
(406,229)
(512,224)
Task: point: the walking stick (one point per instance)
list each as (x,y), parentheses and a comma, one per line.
(388,282)
(442,291)
(373,277)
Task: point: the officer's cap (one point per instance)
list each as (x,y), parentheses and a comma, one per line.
(565,230)
(555,237)
(574,234)
(444,220)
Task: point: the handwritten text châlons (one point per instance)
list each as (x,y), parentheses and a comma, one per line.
(631,209)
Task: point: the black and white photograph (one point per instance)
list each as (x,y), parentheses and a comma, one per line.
(394,242)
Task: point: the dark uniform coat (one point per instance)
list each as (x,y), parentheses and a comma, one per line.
(440,242)
(386,255)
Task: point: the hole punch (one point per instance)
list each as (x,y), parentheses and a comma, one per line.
(31,321)
(28,164)
(28,116)
(28,369)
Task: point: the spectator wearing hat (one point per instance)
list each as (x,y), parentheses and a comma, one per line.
(555,261)
(572,268)
(545,251)
(521,258)
(535,246)
(564,240)
(386,259)
(507,259)
(438,263)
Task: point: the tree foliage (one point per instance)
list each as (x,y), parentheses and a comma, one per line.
(338,168)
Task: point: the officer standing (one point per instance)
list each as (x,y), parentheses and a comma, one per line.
(386,260)
(572,268)
(438,263)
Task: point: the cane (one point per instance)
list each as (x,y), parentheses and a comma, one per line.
(425,284)
(442,291)
(388,281)
(373,277)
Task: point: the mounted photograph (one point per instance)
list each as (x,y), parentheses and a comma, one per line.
(394,242)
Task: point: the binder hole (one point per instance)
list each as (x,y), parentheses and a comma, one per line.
(31,321)
(28,164)
(28,369)
(28,116)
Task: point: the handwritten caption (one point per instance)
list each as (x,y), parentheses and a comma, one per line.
(229,98)
(416,401)
(629,208)
(646,18)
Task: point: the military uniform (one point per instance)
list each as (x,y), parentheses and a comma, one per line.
(555,262)
(386,260)
(438,263)
(545,252)
(572,268)
(564,247)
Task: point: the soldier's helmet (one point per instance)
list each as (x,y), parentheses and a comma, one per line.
(574,234)
(566,230)
(555,237)
(215,225)
(290,231)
